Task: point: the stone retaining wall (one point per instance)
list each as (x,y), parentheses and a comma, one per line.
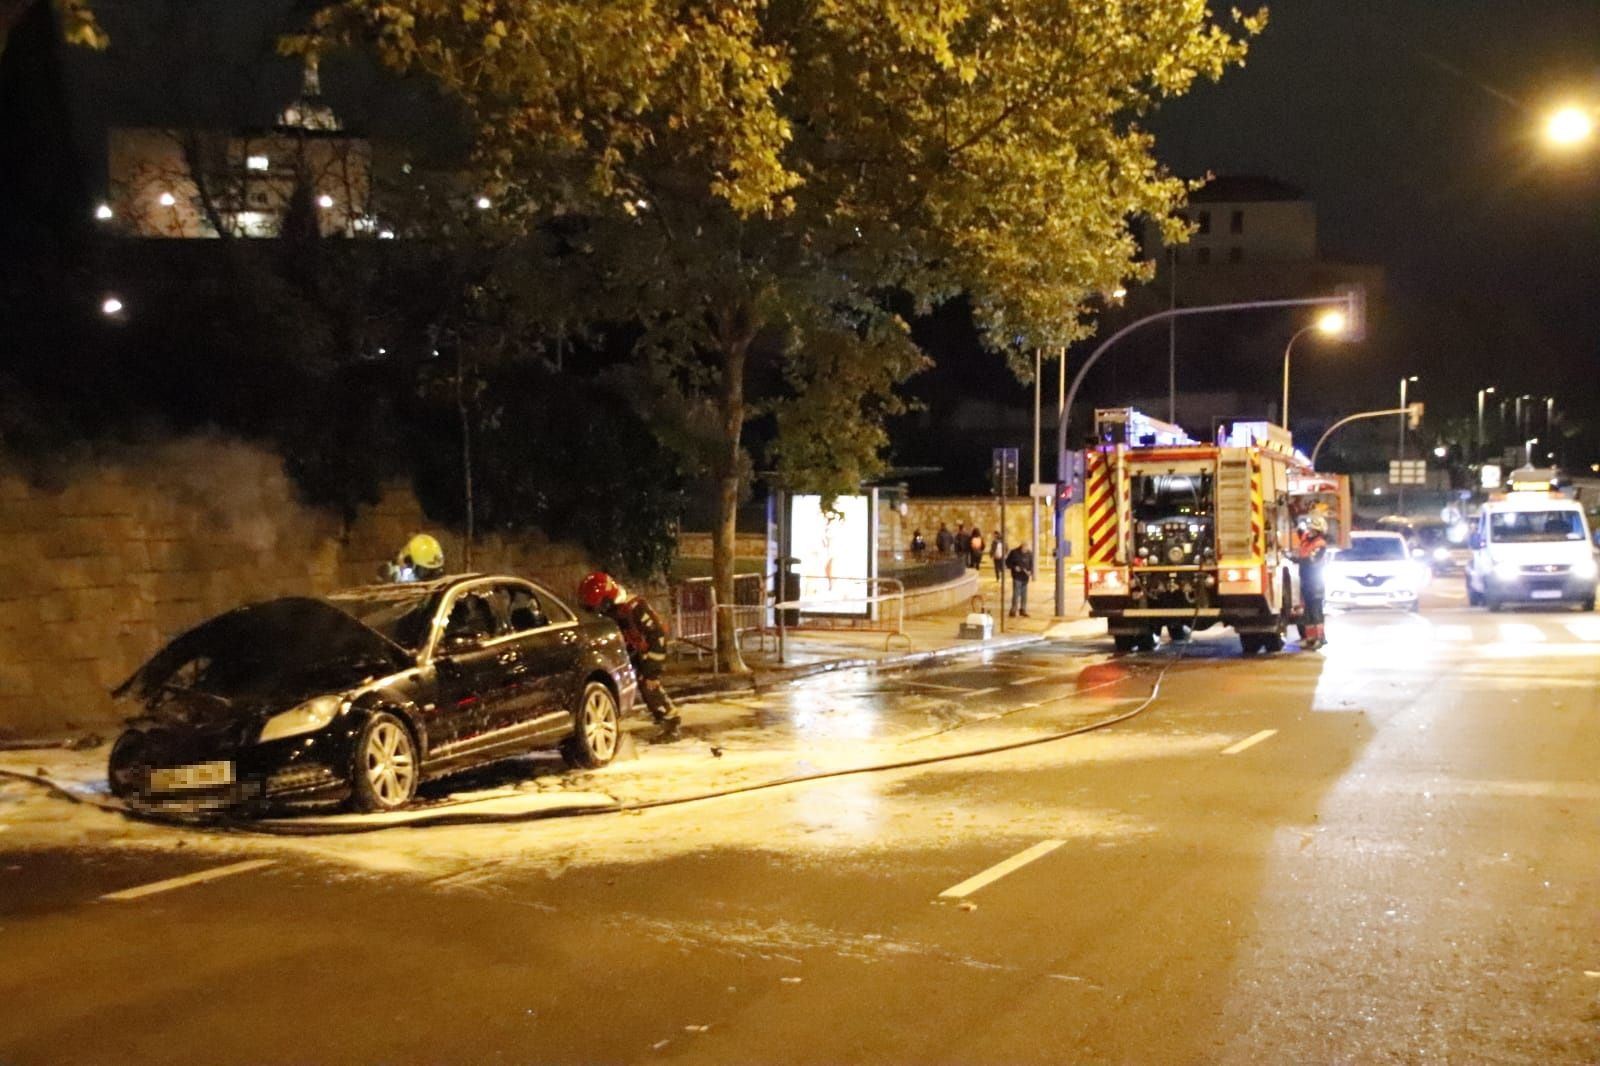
(133,549)
(925,513)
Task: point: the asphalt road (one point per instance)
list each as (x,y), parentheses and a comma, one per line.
(1381,853)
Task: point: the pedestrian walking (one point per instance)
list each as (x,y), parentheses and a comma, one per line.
(997,552)
(961,542)
(918,545)
(1311,553)
(1019,561)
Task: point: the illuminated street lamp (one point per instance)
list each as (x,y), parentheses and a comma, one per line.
(111,307)
(1331,323)
(1569,127)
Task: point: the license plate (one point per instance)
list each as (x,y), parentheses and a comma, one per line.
(197,775)
(1545,594)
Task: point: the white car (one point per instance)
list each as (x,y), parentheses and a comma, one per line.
(1377,570)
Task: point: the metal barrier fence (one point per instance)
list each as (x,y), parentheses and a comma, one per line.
(695,614)
(884,600)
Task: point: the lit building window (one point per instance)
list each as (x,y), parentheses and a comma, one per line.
(386,235)
(103,212)
(324,201)
(483,203)
(167,199)
(256,162)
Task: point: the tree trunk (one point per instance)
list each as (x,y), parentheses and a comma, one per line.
(735,345)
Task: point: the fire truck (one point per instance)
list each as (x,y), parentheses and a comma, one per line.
(1183,535)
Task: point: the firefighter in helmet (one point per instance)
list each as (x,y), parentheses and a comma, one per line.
(1310,553)
(422,559)
(646,638)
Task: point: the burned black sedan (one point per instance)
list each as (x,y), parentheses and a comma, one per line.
(363,694)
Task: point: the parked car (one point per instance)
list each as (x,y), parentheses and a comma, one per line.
(1376,570)
(362,695)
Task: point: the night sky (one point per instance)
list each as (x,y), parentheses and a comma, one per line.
(1410,123)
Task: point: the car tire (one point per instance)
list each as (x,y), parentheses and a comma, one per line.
(596,729)
(1474,597)
(384,768)
(1587,604)
(1271,642)
(1493,602)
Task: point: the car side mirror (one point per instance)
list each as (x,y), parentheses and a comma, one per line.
(1475,542)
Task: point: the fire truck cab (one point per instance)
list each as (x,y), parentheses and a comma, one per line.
(1184,535)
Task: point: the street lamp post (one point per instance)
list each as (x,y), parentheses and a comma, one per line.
(1329,324)
(1482,443)
(1400,501)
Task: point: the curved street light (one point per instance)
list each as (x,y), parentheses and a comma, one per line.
(1329,324)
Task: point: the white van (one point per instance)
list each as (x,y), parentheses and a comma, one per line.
(1531,547)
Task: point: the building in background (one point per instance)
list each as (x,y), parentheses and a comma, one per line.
(305,170)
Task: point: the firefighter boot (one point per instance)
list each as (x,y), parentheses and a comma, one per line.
(662,710)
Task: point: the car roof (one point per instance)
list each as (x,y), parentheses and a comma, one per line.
(1375,534)
(1532,501)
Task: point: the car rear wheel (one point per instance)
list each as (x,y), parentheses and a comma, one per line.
(596,729)
(1474,597)
(384,777)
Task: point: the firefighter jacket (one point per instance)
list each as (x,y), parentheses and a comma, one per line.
(644,633)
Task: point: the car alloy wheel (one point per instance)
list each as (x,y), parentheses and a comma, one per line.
(597,728)
(385,765)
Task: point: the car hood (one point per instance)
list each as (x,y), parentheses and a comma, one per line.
(1375,566)
(1532,553)
(262,657)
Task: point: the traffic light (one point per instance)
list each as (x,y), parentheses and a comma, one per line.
(1003,472)
(1355,311)
(1413,415)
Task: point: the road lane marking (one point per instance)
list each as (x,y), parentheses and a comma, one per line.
(1458,634)
(1585,628)
(999,870)
(933,684)
(1521,633)
(983,691)
(1249,742)
(188,879)
(1028,680)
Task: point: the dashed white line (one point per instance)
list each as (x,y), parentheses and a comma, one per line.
(999,870)
(1249,742)
(1028,680)
(983,691)
(188,879)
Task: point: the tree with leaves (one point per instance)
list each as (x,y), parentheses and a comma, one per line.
(757,180)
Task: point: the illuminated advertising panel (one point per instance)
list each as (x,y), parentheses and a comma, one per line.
(834,552)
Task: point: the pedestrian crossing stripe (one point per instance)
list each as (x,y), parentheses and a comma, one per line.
(1581,630)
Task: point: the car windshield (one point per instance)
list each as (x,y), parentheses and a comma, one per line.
(1509,527)
(1374,550)
(1161,496)
(401,613)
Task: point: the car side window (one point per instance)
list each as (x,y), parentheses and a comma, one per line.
(471,622)
(553,608)
(522,608)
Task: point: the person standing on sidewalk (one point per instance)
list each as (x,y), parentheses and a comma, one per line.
(942,540)
(997,552)
(1311,552)
(961,543)
(1020,562)
(975,554)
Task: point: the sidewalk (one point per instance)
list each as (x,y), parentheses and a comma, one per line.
(935,636)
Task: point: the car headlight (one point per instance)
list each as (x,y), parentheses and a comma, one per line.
(1585,568)
(1507,571)
(309,717)
(1441,554)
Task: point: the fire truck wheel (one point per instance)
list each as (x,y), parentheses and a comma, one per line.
(1149,640)
(1250,643)
(1178,631)
(1271,642)
(1124,642)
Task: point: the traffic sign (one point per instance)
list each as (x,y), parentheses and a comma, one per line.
(1408,472)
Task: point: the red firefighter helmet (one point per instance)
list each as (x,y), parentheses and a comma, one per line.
(598,590)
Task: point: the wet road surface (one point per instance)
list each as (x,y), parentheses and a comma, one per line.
(1382,853)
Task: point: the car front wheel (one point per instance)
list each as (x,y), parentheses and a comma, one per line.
(384,776)
(596,729)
